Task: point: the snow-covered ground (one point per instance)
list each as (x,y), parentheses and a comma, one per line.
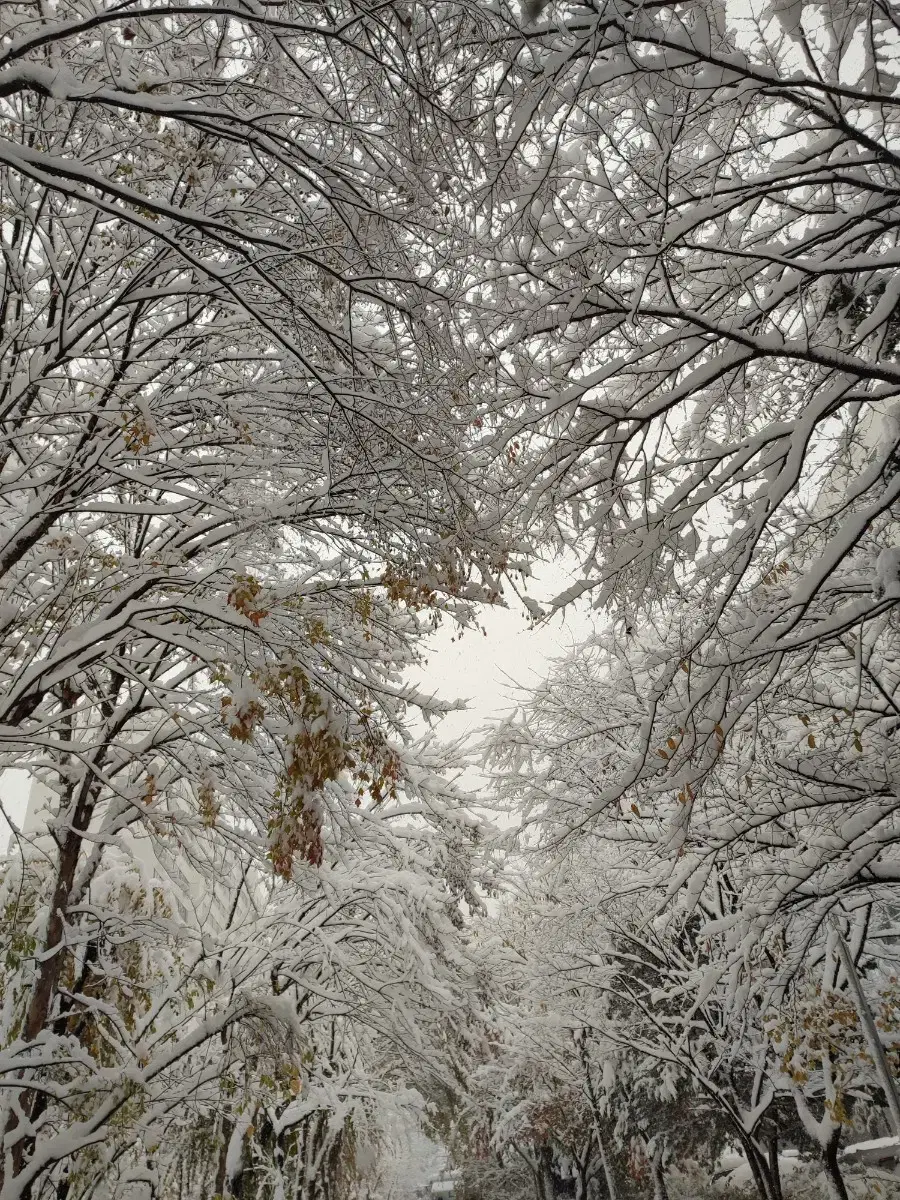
(734,1170)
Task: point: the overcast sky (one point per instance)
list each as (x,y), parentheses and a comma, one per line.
(488,670)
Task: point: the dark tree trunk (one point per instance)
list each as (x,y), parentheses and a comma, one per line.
(768,1186)
(658,1167)
(546,1188)
(47,978)
(836,1185)
(219,1186)
(774,1172)
(79,808)
(582,1175)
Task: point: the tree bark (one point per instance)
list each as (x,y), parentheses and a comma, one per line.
(582,1175)
(547,1191)
(774,1171)
(658,1168)
(767,1186)
(51,958)
(224,1139)
(835,1180)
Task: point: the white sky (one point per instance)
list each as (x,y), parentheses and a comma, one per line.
(493,673)
(488,671)
(13,798)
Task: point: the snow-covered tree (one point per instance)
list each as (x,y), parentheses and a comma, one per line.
(695,323)
(313,317)
(239,477)
(696,332)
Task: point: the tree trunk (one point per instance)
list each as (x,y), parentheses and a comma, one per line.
(609,1175)
(219,1186)
(582,1175)
(768,1186)
(837,1189)
(44,990)
(546,1189)
(51,962)
(658,1169)
(774,1171)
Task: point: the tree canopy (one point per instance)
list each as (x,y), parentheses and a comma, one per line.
(320,324)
